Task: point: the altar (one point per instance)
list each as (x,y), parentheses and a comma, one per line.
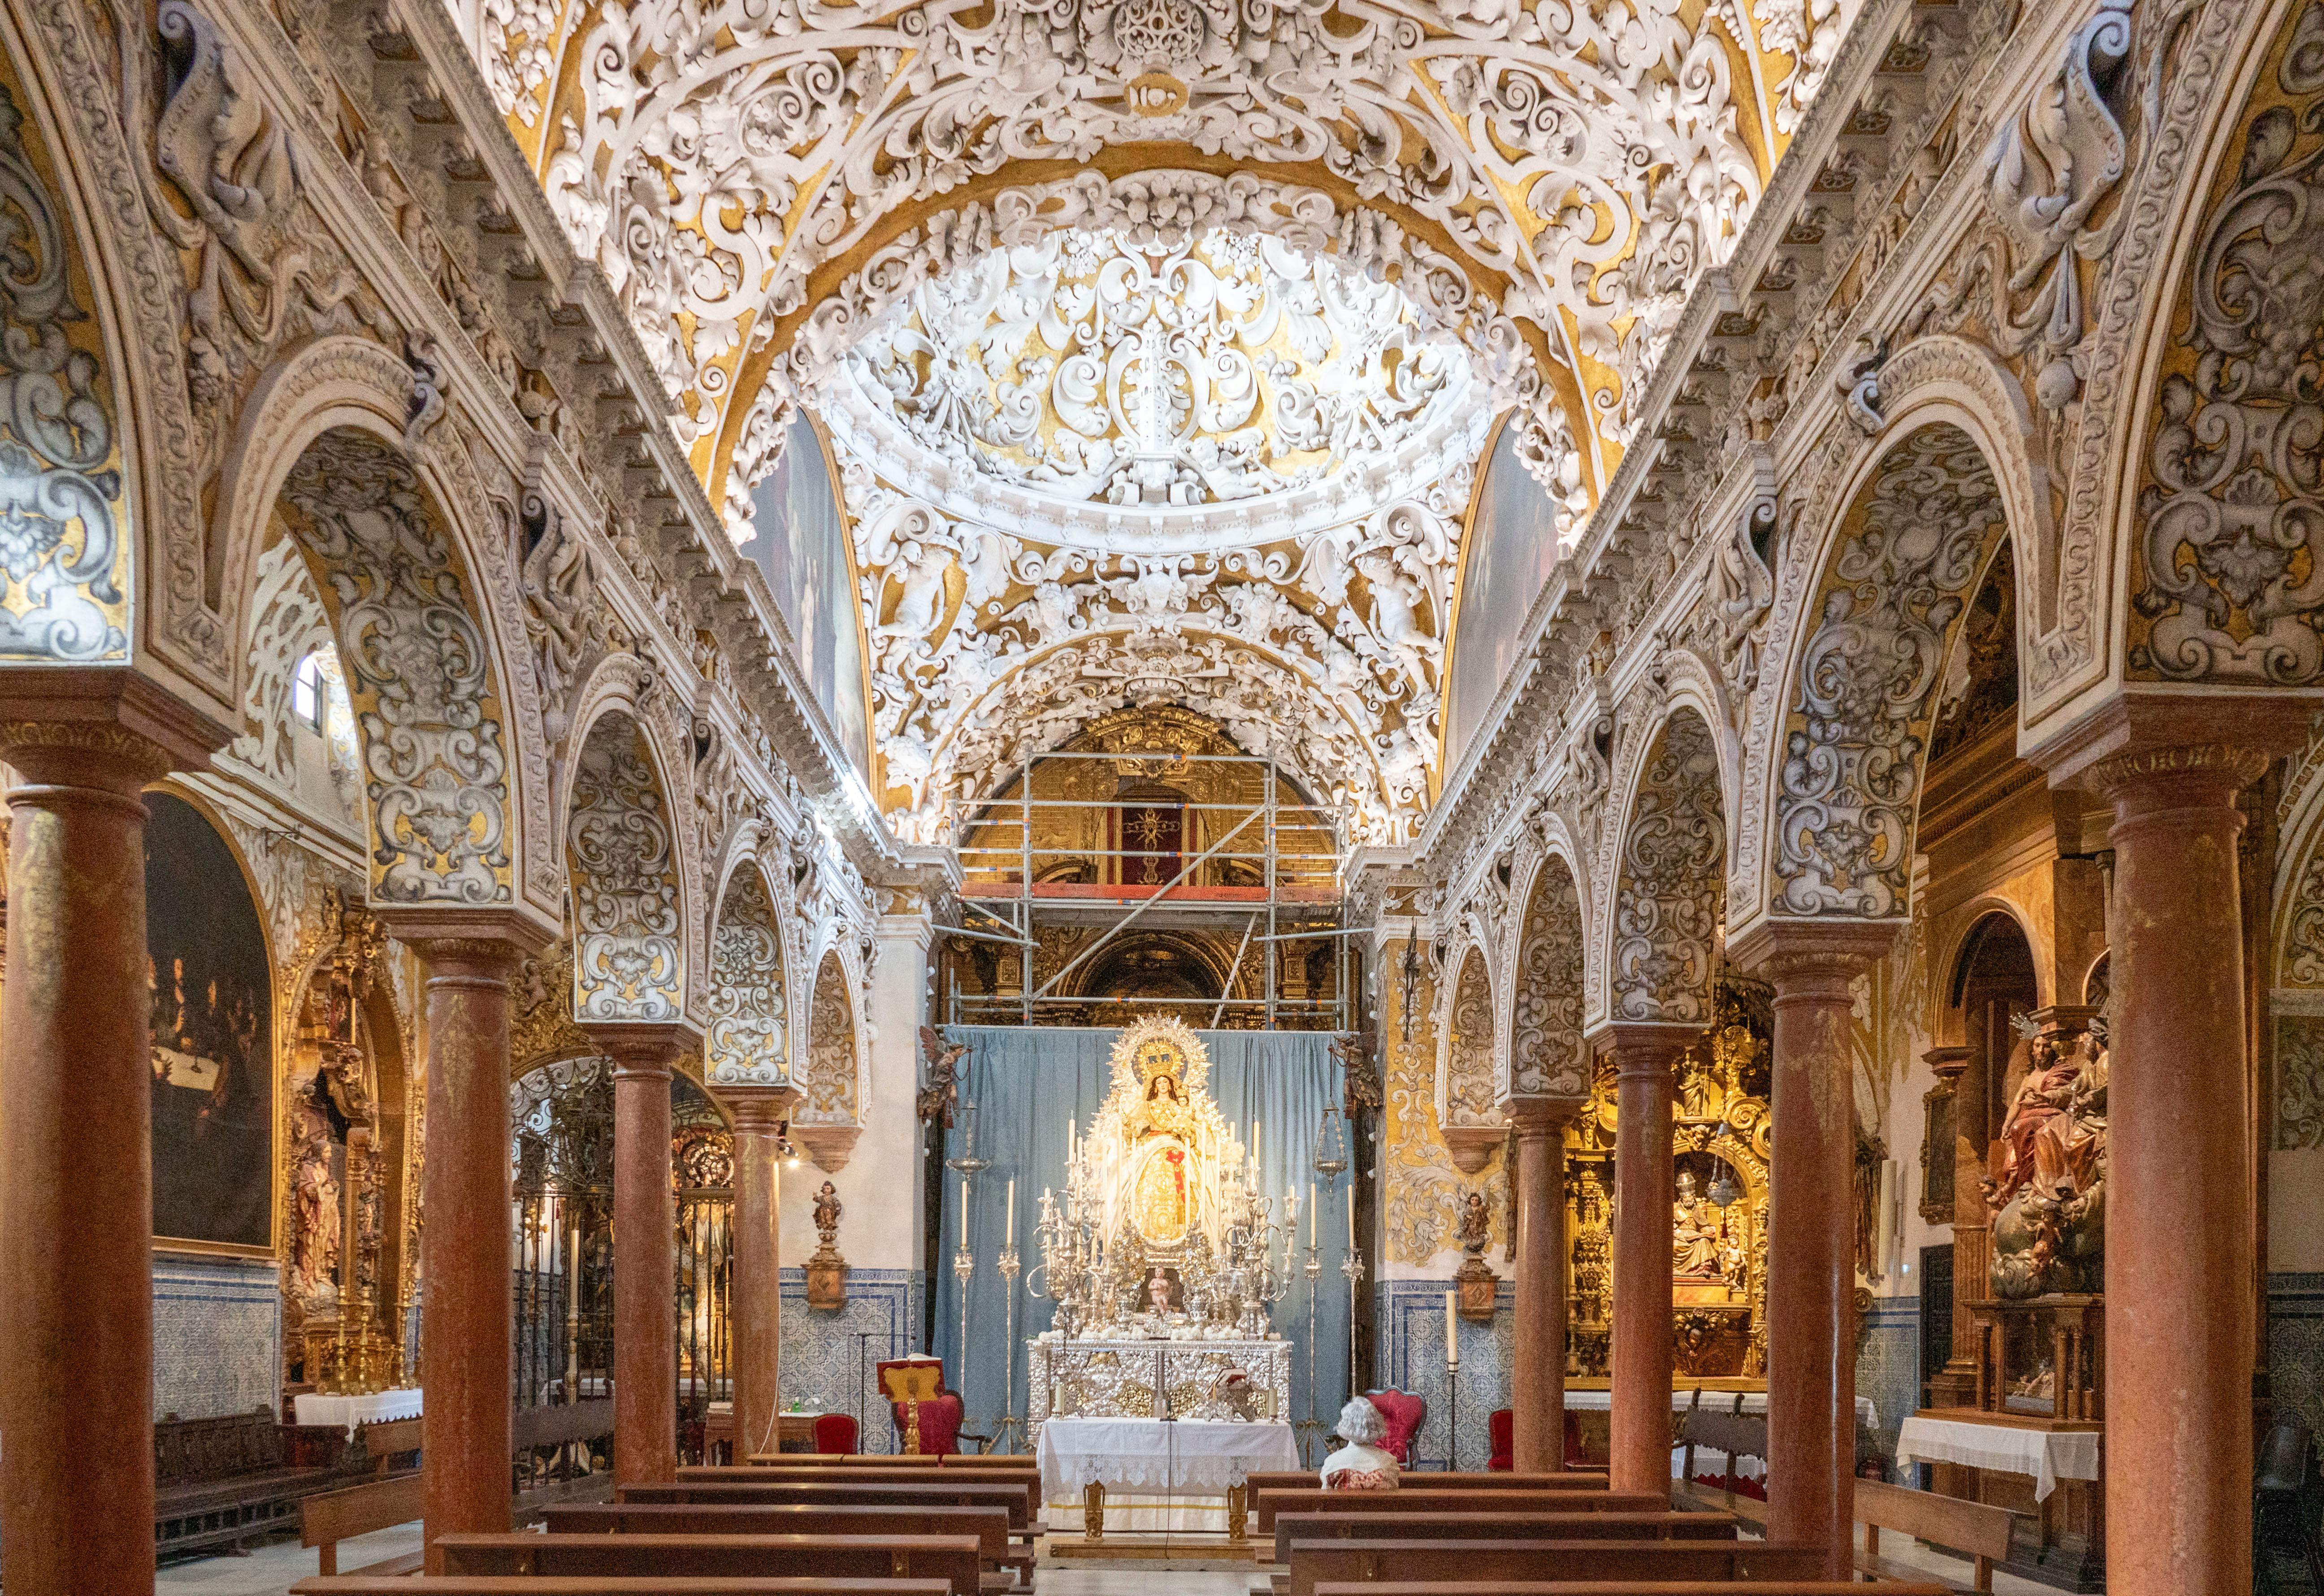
(1090,1378)
(1153,1475)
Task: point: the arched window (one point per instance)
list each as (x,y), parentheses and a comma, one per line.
(307,692)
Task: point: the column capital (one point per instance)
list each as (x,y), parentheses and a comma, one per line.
(450,935)
(1948,1062)
(757,1108)
(2186,740)
(643,1048)
(100,725)
(1800,954)
(1644,1047)
(1537,1116)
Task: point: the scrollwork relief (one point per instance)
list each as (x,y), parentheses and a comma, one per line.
(831,1079)
(1911,546)
(418,674)
(64,549)
(1546,1056)
(627,939)
(2228,564)
(1668,898)
(748,1042)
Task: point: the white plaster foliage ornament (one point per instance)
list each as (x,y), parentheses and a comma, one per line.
(625,874)
(1233,412)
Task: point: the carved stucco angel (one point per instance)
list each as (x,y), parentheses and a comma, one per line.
(946,1075)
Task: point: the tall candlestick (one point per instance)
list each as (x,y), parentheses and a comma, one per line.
(1452,1330)
(1008,1231)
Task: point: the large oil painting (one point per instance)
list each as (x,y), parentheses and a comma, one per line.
(213,1036)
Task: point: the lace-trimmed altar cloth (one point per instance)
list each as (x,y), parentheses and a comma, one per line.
(2048,1455)
(1147,1456)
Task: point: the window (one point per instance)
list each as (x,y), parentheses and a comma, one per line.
(307,692)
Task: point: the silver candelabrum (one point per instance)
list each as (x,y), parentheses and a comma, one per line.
(1352,1266)
(1311,1426)
(963,1262)
(1012,1427)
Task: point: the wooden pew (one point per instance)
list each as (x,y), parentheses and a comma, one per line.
(990,1526)
(1969,1529)
(886,1460)
(1024,1471)
(1261,1479)
(1297,1529)
(948,1557)
(1360,1562)
(1015,1496)
(326,1520)
(600,1585)
(1313,1499)
(1634,1587)
(1979,1531)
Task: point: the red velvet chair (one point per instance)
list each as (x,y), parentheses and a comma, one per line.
(1405,1414)
(915,1393)
(835,1434)
(1500,1429)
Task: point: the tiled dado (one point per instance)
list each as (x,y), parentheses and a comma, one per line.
(1888,1367)
(828,1355)
(2295,1344)
(1411,1343)
(217,1335)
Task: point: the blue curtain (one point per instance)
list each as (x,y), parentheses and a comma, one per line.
(1028,1083)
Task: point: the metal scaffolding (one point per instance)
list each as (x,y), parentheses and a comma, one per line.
(1297,896)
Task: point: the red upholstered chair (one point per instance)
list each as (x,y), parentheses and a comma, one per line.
(1405,1414)
(834,1433)
(915,1393)
(1500,1429)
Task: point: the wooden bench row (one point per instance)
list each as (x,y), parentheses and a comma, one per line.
(694,1585)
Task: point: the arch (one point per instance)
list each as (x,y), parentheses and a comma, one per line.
(1669,879)
(349,396)
(1467,1112)
(68,558)
(1545,1054)
(829,1116)
(2224,525)
(748,1041)
(625,855)
(1895,573)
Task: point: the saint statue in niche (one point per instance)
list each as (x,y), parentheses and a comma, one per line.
(1695,1231)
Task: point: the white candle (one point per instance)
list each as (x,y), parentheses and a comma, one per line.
(1352,1212)
(964,1214)
(1452,1330)
(1256,1142)
(1008,1231)
(1311,1216)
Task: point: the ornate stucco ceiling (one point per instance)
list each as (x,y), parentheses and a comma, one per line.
(1158,340)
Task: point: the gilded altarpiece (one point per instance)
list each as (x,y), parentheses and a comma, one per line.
(1721,1151)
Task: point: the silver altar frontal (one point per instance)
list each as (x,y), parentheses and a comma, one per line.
(1188,1379)
(1161,1254)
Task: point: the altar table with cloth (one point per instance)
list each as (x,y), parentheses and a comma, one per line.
(313,1407)
(1710,1460)
(2048,1455)
(1154,1474)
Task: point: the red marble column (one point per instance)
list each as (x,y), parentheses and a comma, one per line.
(754,1300)
(645,1251)
(1811,1228)
(467,1290)
(76,1168)
(2179,1316)
(1537,1379)
(1641,1398)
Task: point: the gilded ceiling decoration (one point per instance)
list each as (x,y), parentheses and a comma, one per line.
(1165,335)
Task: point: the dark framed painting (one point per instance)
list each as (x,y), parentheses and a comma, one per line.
(212,1038)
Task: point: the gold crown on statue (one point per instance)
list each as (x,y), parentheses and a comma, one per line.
(1158,1046)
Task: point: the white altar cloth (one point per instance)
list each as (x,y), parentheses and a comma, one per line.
(1710,1460)
(346,1413)
(2048,1455)
(1147,1463)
